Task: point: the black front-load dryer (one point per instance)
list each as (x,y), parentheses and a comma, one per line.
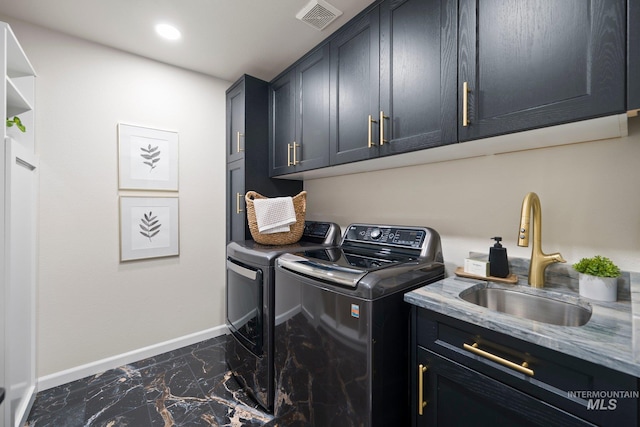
(250,303)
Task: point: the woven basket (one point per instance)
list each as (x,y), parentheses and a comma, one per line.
(295,230)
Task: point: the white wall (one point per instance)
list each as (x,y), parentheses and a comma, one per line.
(91,306)
(590,196)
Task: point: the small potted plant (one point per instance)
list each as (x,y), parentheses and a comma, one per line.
(598,278)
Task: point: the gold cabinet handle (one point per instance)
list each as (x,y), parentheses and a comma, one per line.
(238,135)
(382,118)
(523,368)
(238,197)
(370,143)
(465,104)
(421,402)
(295,150)
(289,155)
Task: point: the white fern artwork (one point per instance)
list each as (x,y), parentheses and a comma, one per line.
(149,157)
(150,227)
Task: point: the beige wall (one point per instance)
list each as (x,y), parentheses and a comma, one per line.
(91,306)
(590,196)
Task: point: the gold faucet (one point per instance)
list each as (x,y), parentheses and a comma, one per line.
(539,260)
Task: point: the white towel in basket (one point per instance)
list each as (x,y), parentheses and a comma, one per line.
(274,215)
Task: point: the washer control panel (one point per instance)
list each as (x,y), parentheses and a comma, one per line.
(409,237)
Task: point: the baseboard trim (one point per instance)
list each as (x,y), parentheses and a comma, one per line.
(58,378)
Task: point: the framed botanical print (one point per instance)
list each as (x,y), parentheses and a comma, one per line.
(147,158)
(149,227)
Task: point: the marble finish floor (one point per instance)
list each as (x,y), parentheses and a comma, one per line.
(190,386)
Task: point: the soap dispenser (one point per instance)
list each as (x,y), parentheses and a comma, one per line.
(498,263)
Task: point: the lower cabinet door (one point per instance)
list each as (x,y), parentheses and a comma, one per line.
(237,228)
(454,395)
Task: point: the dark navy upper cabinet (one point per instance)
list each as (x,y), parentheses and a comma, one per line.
(418,66)
(299,112)
(393,80)
(354,89)
(535,63)
(633,57)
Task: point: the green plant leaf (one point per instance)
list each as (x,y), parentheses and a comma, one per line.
(16,121)
(597,266)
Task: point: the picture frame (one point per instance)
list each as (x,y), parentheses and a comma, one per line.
(149,227)
(147,158)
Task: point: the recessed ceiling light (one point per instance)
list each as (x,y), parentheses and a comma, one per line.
(168,32)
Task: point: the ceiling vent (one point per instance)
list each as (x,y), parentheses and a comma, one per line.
(318,14)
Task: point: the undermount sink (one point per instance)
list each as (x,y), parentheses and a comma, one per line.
(529,306)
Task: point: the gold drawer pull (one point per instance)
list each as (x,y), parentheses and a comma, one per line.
(238,196)
(465,104)
(421,402)
(238,135)
(382,118)
(524,368)
(370,143)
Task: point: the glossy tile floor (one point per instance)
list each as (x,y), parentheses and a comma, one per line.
(187,387)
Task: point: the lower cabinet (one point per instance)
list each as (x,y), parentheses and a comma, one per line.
(454,395)
(237,226)
(463,374)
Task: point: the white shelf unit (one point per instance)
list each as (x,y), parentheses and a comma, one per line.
(18,195)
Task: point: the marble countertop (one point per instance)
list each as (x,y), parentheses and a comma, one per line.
(611,338)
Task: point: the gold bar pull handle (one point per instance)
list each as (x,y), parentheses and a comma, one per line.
(238,197)
(523,368)
(238,135)
(421,402)
(370,143)
(295,151)
(289,155)
(465,104)
(382,119)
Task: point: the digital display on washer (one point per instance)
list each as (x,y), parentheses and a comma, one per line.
(411,238)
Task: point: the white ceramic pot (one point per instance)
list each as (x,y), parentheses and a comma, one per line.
(598,288)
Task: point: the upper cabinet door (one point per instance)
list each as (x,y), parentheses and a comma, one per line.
(355,95)
(418,74)
(300,115)
(282,132)
(235,125)
(311,146)
(534,63)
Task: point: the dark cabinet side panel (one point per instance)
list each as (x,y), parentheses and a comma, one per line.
(633,55)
